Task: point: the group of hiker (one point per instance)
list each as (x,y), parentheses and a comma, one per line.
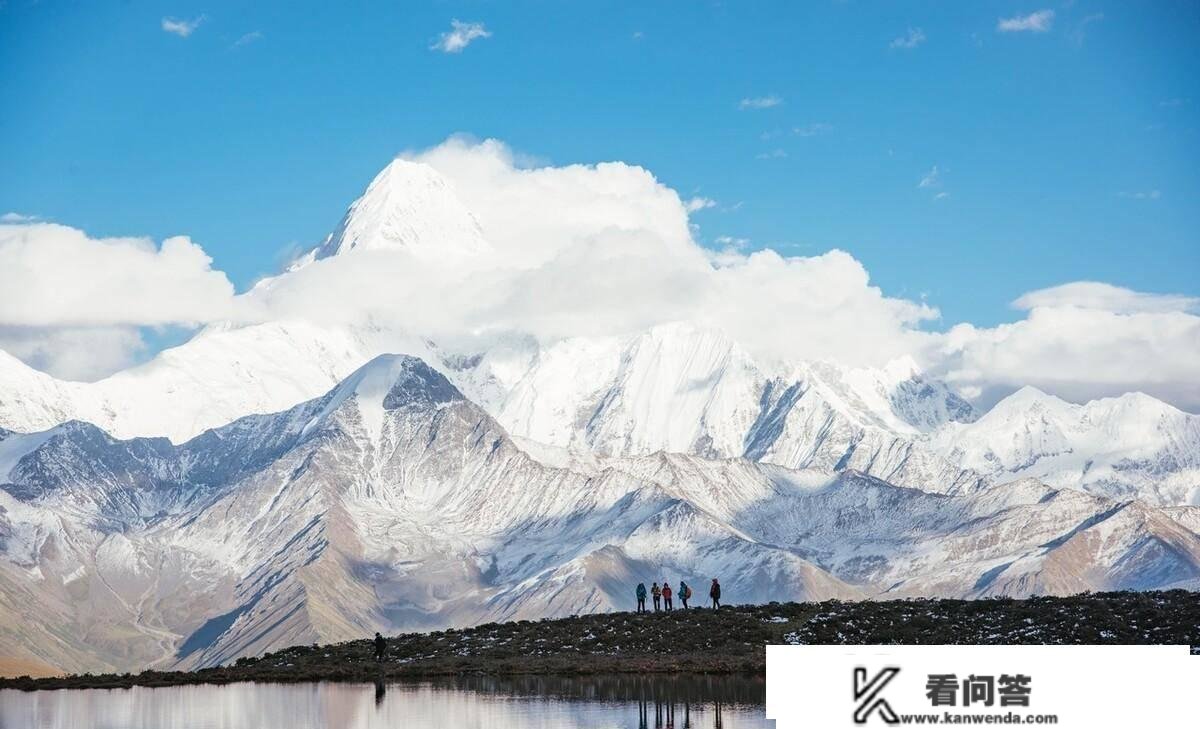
(663,600)
(664,596)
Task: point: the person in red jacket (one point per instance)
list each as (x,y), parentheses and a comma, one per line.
(666,592)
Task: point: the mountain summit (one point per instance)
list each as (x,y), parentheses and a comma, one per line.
(409,206)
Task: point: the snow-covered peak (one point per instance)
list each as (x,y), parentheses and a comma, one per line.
(389,382)
(896,397)
(393,381)
(410,207)
(1121,447)
(1132,408)
(900,369)
(1031,409)
(1030,396)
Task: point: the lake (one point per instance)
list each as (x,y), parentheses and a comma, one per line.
(639,702)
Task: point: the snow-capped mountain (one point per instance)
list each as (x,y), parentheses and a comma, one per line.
(1132,446)
(393,502)
(677,387)
(684,389)
(409,207)
(221,374)
(280,482)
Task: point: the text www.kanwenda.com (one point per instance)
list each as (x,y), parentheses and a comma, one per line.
(948,718)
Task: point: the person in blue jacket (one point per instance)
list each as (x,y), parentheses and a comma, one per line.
(641,597)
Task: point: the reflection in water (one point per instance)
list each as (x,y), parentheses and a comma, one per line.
(669,702)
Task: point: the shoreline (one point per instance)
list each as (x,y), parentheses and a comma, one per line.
(698,641)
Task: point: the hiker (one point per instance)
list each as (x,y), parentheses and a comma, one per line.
(380,646)
(685,593)
(641,597)
(666,591)
(656,593)
(715,593)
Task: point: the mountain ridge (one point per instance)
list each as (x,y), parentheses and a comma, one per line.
(392,502)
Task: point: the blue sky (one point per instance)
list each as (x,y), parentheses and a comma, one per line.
(1061,154)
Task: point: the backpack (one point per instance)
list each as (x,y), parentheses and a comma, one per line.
(687,592)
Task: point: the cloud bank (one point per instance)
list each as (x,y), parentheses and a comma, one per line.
(590,250)
(72,305)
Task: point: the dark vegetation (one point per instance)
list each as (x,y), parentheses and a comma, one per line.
(697,641)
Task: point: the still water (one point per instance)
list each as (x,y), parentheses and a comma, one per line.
(619,702)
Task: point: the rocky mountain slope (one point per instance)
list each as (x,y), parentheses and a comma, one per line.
(392,502)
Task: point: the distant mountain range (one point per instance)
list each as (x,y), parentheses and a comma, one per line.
(286,482)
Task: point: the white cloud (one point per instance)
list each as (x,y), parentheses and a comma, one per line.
(248,38)
(913,38)
(1118,341)
(812,130)
(510,196)
(460,36)
(606,249)
(55,276)
(697,204)
(933,178)
(73,305)
(182,28)
(587,250)
(1106,297)
(17,218)
(941,195)
(729,241)
(74,353)
(1141,195)
(760,102)
(1038,22)
(773,154)
(600,250)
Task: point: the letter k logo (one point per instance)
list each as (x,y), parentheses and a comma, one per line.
(866,693)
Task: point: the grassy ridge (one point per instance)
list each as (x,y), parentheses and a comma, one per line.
(728,641)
